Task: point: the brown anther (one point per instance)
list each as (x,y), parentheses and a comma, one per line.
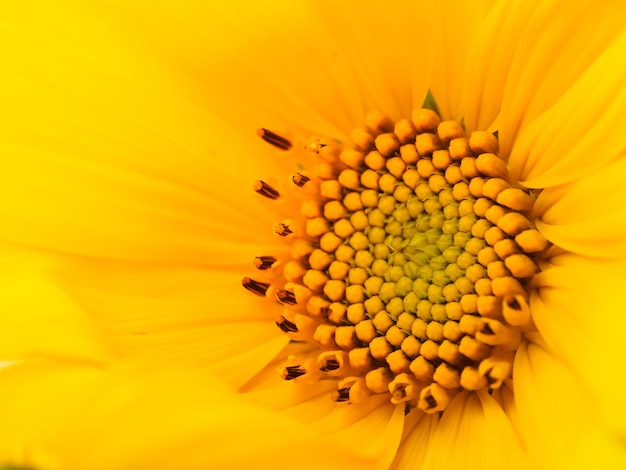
(282,229)
(256,287)
(433,398)
(331,361)
(265,190)
(516,311)
(300,179)
(497,367)
(316,145)
(358,391)
(264,262)
(274,139)
(341,395)
(490,164)
(286,297)
(403,388)
(291,372)
(286,326)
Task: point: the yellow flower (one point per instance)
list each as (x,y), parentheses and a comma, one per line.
(129,132)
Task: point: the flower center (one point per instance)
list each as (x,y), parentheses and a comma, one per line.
(409,263)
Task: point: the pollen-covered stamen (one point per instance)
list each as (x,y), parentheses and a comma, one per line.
(263,263)
(282,229)
(286,325)
(300,179)
(256,287)
(412,259)
(286,297)
(341,395)
(265,190)
(291,372)
(274,139)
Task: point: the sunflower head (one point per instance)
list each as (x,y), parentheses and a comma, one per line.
(409,260)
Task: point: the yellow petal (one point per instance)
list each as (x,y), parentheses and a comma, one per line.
(130,416)
(556,416)
(474,433)
(489,60)
(577,309)
(381,64)
(418,431)
(587,216)
(195,316)
(559,44)
(354,425)
(458,24)
(107,153)
(555,147)
(39,317)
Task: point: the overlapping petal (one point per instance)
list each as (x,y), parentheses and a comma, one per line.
(116,152)
(105,417)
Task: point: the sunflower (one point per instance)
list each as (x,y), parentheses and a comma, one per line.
(426,198)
